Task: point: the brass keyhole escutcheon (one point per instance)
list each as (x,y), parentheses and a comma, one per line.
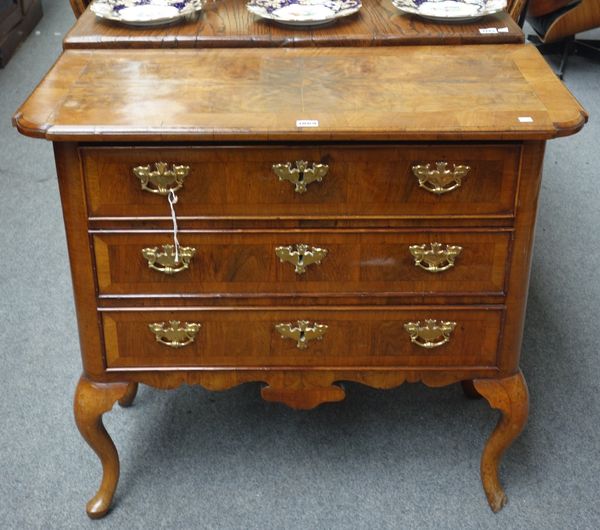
(302,332)
(301,175)
(301,256)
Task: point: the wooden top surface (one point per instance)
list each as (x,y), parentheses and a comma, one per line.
(386,93)
(228,24)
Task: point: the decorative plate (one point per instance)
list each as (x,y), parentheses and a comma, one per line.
(145,12)
(450,10)
(303,12)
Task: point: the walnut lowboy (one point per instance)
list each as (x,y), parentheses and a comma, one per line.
(425,207)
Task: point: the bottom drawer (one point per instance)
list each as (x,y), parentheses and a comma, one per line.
(307,337)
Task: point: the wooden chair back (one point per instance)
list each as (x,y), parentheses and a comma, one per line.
(78,6)
(514,8)
(582,17)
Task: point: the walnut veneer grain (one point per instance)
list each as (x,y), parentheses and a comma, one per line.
(374,181)
(363,338)
(244,262)
(383,94)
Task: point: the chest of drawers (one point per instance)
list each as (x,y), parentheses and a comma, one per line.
(390,243)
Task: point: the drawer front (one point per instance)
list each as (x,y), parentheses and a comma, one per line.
(240,182)
(340,337)
(303,262)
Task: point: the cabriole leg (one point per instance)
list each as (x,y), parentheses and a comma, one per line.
(92,400)
(511,397)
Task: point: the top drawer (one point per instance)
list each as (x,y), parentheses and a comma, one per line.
(355,181)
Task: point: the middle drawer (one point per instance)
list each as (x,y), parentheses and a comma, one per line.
(302,262)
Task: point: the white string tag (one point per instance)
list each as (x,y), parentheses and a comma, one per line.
(172,198)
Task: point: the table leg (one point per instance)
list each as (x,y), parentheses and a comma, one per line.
(511,397)
(92,400)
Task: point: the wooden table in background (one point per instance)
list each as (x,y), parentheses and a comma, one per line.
(228,24)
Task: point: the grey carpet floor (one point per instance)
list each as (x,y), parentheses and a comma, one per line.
(405,458)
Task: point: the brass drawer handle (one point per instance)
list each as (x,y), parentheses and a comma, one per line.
(441,179)
(165,260)
(173,334)
(302,332)
(301,175)
(161,180)
(301,256)
(435,258)
(432,334)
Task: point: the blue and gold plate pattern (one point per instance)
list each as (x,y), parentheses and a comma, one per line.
(145,12)
(303,12)
(450,10)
